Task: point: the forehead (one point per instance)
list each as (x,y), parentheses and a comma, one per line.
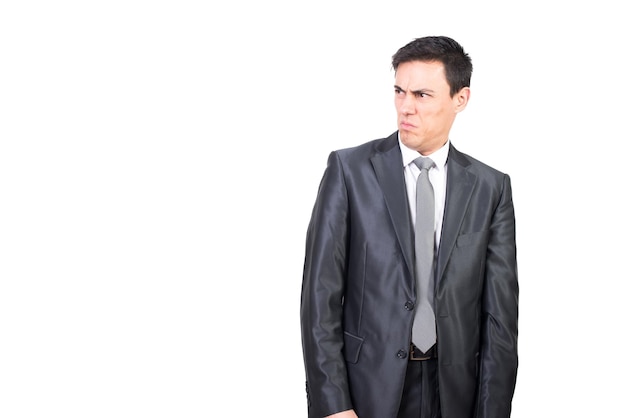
(414,75)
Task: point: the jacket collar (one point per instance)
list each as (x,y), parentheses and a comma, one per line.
(387,163)
(459,187)
(388,166)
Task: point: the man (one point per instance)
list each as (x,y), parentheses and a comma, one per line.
(369,273)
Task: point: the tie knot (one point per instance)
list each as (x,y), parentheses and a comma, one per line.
(424,163)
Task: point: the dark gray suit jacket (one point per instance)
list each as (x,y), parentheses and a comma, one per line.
(358,289)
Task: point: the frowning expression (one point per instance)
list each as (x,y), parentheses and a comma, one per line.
(425,109)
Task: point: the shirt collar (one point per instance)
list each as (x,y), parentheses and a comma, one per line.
(439,157)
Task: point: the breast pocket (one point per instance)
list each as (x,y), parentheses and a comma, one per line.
(473,238)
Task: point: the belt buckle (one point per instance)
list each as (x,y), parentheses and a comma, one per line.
(414,356)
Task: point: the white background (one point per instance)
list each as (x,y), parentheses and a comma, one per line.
(159,161)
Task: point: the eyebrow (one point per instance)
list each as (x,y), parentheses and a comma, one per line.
(414,92)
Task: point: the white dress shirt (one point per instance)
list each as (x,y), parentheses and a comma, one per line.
(437,176)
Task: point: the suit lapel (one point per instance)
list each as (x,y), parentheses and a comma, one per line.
(460,184)
(389,171)
(387,163)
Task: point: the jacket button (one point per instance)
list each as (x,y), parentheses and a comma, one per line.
(401,354)
(409,305)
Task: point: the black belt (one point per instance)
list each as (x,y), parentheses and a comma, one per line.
(416,354)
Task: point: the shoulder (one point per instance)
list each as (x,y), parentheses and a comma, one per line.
(366,150)
(465,168)
(473,165)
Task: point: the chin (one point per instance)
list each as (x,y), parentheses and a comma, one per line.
(409,139)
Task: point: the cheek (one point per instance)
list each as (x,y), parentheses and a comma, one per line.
(439,115)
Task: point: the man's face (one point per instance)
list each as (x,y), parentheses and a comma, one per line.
(424,106)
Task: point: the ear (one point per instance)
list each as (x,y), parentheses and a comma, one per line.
(460,99)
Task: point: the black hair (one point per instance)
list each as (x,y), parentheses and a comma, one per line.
(457,63)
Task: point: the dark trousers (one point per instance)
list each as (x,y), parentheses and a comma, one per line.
(420,397)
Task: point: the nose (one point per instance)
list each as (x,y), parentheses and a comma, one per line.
(407,106)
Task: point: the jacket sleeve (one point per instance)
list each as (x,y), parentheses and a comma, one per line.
(323,285)
(498,357)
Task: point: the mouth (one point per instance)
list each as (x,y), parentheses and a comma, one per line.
(406,125)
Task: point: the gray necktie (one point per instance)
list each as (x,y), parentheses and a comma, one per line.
(424,334)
